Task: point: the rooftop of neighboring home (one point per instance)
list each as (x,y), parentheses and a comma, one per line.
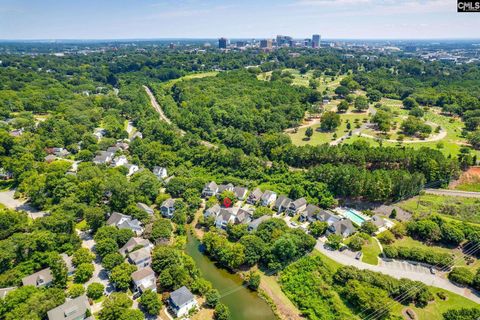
(117,217)
(299,203)
(38,278)
(133,243)
(142,273)
(169,203)
(181,296)
(240,192)
(267,194)
(256,194)
(255,223)
(5,291)
(139,255)
(225,187)
(68,262)
(70,310)
(211,186)
(283,201)
(145,208)
(342,227)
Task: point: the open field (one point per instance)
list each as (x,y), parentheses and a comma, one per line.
(462,209)
(320,137)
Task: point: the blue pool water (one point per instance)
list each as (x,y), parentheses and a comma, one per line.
(354,217)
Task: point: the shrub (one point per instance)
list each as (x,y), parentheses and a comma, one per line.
(76,290)
(95,290)
(419,254)
(386,237)
(461,275)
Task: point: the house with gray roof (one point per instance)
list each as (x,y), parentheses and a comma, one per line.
(342,227)
(68,262)
(123,221)
(42,278)
(310,213)
(254,196)
(282,203)
(5,291)
(225,217)
(252,226)
(243,216)
(297,206)
(103,157)
(144,207)
(210,189)
(328,217)
(144,279)
(181,301)
(135,243)
(212,211)
(268,198)
(160,172)
(75,309)
(225,187)
(240,192)
(140,258)
(168,208)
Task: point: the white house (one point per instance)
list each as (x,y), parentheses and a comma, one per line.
(160,172)
(119,161)
(132,168)
(182,301)
(144,279)
(268,198)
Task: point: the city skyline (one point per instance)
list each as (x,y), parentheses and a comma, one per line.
(193,19)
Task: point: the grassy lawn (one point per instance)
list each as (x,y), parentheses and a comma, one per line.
(459,261)
(435,309)
(320,137)
(472,186)
(467,208)
(170,83)
(371,250)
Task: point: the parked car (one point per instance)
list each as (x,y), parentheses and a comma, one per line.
(343,248)
(432,270)
(359,255)
(294,224)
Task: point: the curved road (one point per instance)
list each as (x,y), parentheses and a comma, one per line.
(396,272)
(163,117)
(453,193)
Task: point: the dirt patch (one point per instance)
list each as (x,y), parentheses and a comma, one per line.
(471,176)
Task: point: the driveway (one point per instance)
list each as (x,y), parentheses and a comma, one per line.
(399,269)
(7,199)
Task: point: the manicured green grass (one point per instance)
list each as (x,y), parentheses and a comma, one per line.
(469,186)
(320,137)
(370,251)
(170,83)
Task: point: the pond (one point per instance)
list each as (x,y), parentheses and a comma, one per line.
(243,303)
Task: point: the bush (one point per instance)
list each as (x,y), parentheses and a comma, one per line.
(461,275)
(76,290)
(84,272)
(95,290)
(211,298)
(462,314)
(356,242)
(386,237)
(150,302)
(334,241)
(253,280)
(420,255)
(221,312)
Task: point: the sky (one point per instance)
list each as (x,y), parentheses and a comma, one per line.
(154,19)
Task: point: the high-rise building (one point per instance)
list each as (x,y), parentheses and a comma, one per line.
(316,41)
(307,42)
(266,43)
(222,43)
(284,41)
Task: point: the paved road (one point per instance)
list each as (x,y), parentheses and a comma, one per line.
(163,117)
(7,199)
(453,193)
(398,269)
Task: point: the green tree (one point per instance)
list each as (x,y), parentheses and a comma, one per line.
(112,260)
(253,280)
(461,275)
(369,227)
(114,306)
(83,273)
(343,106)
(356,242)
(334,241)
(82,255)
(329,121)
(95,290)
(361,103)
(317,228)
(409,103)
(150,302)
(221,312)
(75,290)
(211,298)
(120,276)
(309,133)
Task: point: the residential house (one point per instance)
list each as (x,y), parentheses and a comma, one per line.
(225,187)
(135,243)
(140,258)
(68,262)
(252,226)
(103,157)
(225,217)
(212,211)
(138,135)
(378,221)
(50,158)
(113,149)
(144,207)
(243,216)
(131,169)
(99,133)
(342,227)
(42,278)
(255,196)
(144,279)
(240,192)
(119,161)
(310,214)
(123,221)
(327,217)
(182,301)
(168,208)
(160,172)
(268,198)
(282,203)
(297,206)
(210,189)
(60,152)
(75,309)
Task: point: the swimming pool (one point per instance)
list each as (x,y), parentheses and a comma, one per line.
(353,216)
